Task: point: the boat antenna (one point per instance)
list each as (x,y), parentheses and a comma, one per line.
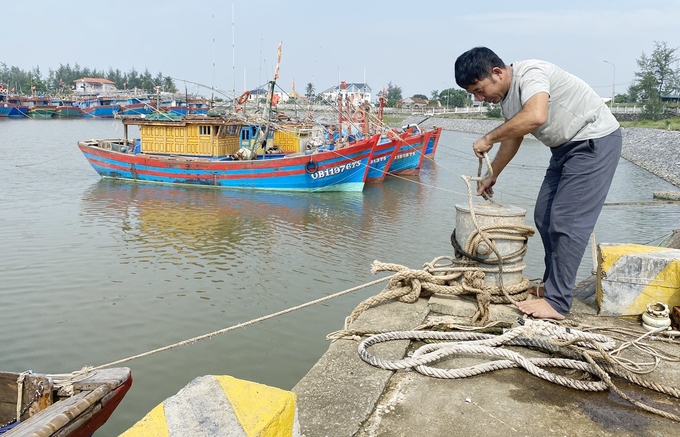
(212,89)
(233,49)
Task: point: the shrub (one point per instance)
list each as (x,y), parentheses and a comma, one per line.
(494,112)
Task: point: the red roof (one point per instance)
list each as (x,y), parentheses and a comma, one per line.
(95,80)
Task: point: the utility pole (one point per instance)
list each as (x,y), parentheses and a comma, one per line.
(611,104)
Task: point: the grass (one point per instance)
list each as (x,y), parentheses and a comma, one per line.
(667,124)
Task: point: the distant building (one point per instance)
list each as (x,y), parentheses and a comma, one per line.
(90,85)
(263,93)
(670,98)
(413,103)
(257,93)
(356,92)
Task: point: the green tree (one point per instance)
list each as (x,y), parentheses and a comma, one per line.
(622,98)
(393,95)
(658,76)
(453,97)
(168,84)
(309,90)
(420,96)
(434,94)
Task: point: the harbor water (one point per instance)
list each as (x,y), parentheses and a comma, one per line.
(93,270)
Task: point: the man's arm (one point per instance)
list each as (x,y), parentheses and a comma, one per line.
(506,152)
(533,115)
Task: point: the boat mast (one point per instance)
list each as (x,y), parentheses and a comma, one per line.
(268,108)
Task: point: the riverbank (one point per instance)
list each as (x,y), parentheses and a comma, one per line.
(654,150)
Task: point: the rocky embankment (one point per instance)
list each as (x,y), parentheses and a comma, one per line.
(655,150)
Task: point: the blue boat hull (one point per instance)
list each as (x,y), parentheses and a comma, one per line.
(343,170)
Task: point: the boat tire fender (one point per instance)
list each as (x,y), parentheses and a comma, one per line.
(311,166)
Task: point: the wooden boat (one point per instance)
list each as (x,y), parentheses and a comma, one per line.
(411,151)
(40,107)
(66,109)
(136,106)
(383,156)
(60,405)
(5,106)
(431,148)
(18,106)
(198,106)
(227,152)
(100,107)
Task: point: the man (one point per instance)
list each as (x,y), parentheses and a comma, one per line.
(564,113)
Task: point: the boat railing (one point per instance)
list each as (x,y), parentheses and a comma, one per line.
(117,145)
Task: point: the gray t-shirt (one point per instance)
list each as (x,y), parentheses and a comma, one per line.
(575,111)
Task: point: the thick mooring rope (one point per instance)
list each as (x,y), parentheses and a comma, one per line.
(447,276)
(584,349)
(453,276)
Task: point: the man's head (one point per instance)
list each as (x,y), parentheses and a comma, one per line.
(481,72)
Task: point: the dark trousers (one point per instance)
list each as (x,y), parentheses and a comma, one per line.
(570,200)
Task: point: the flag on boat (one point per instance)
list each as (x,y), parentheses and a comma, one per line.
(278,61)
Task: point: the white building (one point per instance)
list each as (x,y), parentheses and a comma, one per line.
(355,92)
(91,85)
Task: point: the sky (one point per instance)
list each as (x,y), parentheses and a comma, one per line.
(232,44)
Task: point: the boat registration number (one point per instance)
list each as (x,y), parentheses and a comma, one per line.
(332,171)
(405,155)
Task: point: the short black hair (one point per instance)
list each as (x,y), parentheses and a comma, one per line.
(476,64)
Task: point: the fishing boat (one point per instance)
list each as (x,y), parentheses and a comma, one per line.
(383,156)
(198,106)
(100,107)
(411,151)
(40,107)
(174,107)
(73,405)
(136,106)
(225,151)
(408,145)
(66,109)
(18,106)
(5,106)
(431,148)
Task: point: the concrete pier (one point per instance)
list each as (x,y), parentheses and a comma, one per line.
(344,396)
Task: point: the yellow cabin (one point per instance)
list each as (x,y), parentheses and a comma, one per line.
(216,137)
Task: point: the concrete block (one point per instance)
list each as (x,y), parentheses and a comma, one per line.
(630,276)
(221,405)
(466,306)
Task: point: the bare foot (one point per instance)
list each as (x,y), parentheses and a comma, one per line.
(538,308)
(537,290)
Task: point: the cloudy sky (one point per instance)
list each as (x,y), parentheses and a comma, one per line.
(231,44)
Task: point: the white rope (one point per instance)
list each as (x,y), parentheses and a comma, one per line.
(490,345)
(533,333)
(241,325)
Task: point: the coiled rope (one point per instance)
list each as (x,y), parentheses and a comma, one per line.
(583,348)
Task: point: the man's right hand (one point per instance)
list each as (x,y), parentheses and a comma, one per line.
(481,146)
(486,186)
